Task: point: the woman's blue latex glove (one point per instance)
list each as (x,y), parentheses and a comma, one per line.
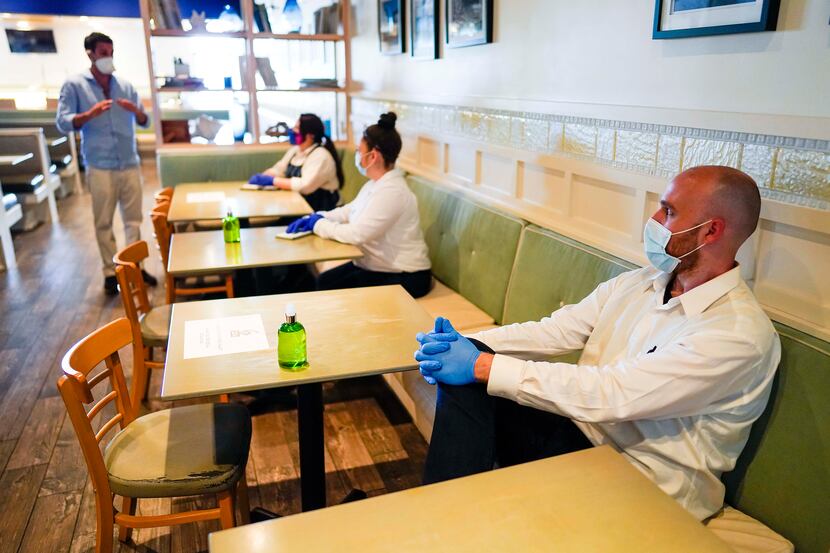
(446,356)
(304,223)
(260,179)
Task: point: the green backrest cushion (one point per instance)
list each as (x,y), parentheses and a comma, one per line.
(180,167)
(551,271)
(471,246)
(783,475)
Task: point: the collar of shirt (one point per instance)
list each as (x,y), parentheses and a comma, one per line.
(698,299)
(391,174)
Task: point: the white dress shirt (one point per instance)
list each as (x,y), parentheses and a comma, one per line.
(673,387)
(319,169)
(383,222)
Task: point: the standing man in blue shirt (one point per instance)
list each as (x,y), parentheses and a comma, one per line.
(105,110)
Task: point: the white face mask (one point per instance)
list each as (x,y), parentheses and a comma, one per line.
(105,65)
(360,168)
(656,237)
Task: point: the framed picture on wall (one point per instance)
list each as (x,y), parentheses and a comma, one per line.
(391,26)
(469,22)
(686,18)
(424,30)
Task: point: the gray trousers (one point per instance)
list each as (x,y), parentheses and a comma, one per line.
(108,189)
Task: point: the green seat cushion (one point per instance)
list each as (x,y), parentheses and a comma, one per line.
(552,271)
(783,475)
(155,326)
(471,246)
(353,180)
(181,451)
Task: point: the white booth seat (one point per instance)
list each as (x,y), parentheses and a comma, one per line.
(33,180)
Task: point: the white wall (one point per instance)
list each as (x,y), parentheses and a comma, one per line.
(596,58)
(47,72)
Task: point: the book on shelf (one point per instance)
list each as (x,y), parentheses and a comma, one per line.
(327,20)
(172,14)
(157,13)
(263,65)
(261,18)
(318,83)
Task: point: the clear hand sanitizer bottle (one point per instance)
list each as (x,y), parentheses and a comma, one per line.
(291,343)
(230,226)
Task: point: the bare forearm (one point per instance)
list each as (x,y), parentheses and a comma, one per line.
(141,118)
(81,119)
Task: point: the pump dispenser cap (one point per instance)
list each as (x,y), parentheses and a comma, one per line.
(290,313)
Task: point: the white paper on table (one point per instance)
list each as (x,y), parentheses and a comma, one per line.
(200,197)
(223,336)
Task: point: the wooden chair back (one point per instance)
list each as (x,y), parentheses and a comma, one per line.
(163,232)
(76,388)
(128,272)
(164,194)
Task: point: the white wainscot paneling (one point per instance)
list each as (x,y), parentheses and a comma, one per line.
(792,268)
(461,163)
(498,174)
(429,154)
(607,207)
(409,151)
(545,188)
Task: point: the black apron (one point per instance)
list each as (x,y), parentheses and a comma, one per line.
(320,199)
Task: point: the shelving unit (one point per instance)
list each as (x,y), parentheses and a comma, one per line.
(248,93)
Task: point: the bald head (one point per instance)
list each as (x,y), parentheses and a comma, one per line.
(725,193)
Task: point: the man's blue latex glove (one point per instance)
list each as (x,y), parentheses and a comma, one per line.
(446,356)
(304,224)
(261,180)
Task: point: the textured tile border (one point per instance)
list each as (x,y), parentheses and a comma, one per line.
(598,140)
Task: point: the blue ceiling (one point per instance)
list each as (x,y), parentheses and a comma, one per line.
(106,8)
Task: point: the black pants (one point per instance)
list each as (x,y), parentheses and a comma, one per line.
(322,200)
(474,432)
(352,276)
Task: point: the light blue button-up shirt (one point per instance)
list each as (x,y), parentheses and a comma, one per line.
(107,141)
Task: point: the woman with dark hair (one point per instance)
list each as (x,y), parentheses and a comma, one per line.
(382,221)
(307,168)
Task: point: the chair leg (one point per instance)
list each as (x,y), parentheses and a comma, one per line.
(104,522)
(128,505)
(227,505)
(170,288)
(229,286)
(242,499)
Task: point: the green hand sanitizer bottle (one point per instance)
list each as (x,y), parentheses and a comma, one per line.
(230,228)
(291,344)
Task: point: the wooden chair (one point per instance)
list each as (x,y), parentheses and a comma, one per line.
(184,451)
(150,324)
(164,194)
(176,288)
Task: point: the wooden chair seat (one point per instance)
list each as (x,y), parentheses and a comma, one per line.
(182,451)
(155,325)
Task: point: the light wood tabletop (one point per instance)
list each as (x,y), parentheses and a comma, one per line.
(350,333)
(193,253)
(210,200)
(591,500)
(14,159)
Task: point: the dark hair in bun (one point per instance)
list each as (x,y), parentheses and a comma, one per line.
(384,138)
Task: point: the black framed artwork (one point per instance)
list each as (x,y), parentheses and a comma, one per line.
(391,26)
(687,18)
(469,22)
(424,32)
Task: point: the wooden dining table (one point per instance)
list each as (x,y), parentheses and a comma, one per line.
(198,253)
(591,500)
(350,333)
(202,201)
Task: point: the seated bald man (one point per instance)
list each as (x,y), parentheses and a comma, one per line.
(677,359)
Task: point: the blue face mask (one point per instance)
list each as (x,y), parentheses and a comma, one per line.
(295,138)
(361,169)
(656,237)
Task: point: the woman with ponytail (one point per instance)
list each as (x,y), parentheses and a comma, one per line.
(311,166)
(382,221)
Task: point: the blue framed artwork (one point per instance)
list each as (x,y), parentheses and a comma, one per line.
(424,32)
(391,26)
(469,22)
(687,18)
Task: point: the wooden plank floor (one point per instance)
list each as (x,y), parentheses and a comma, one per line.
(54,298)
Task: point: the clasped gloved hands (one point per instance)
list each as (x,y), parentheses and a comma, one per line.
(304,224)
(446,356)
(261,179)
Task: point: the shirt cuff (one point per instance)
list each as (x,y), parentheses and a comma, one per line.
(505,375)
